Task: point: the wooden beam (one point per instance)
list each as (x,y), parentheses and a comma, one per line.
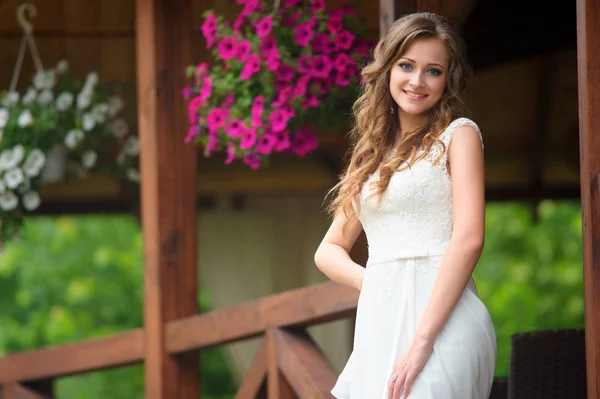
(79,357)
(307,370)
(277,386)
(301,307)
(588,60)
(168,170)
(391,10)
(255,378)
(18,391)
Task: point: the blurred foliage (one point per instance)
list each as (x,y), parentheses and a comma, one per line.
(68,279)
(530,275)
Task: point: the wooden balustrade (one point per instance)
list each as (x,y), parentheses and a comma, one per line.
(288,364)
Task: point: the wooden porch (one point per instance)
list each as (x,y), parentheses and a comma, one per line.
(288,363)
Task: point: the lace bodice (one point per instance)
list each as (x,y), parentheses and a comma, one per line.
(414,218)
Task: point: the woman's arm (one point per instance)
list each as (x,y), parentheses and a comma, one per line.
(465,157)
(332,256)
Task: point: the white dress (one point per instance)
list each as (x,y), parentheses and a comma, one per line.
(407,238)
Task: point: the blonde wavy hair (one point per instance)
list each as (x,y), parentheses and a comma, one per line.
(376,122)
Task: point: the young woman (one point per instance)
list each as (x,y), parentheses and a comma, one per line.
(415,184)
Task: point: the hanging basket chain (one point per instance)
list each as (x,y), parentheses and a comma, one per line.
(27,41)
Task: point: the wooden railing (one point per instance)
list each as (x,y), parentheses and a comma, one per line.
(288,364)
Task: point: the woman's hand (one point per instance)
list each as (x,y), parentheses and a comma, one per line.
(408,367)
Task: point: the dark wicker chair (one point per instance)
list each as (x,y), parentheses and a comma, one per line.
(499,388)
(547,365)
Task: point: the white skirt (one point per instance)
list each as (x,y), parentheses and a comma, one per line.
(390,306)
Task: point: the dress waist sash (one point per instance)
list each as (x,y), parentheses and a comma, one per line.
(406,253)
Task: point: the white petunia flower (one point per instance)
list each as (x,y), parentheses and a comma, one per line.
(44,80)
(11,158)
(8,201)
(25,119)
(34,163)
(132,146)
(31,200)
(115,105)
(133,175)
(100,111)
(88,122)
(84,99)
(73,138)
(62,66)
(121,158)
(91,80)
(88,159)
(3,117)
(45,97)
(64,101)
(119,128)
(29,96)
(13,177)
(11,99)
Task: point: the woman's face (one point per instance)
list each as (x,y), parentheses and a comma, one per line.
(418,78)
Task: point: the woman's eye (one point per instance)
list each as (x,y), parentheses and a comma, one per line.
(405,66)
(435,72)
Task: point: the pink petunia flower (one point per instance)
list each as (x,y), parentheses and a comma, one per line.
(303,34)
(264,26)
(213,141)
(193,107)
(193,131)
(250,6)
(268,46)
(344,40)
(206,89)
(248,139)
(227,48)
(228,101)
(304,64)
(341,62)
(217,118)
(238,23)
(252,66)
(321,43)
(201,70)
(278,119)
(285,73)
(273,62)
(235,128)
(301,86)
(318,5)
(282,140)
(252,160)
(304,142)
(186,92)
(321,66)
(284,96)
(209,27)
(334,24)
(311,101)
(266,144)
(230,154)
(243,50)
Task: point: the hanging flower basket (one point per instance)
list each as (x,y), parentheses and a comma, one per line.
(274,70)
(60,128)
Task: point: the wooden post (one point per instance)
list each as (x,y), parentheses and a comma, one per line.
(391,10)
(588,59)
(168,170)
